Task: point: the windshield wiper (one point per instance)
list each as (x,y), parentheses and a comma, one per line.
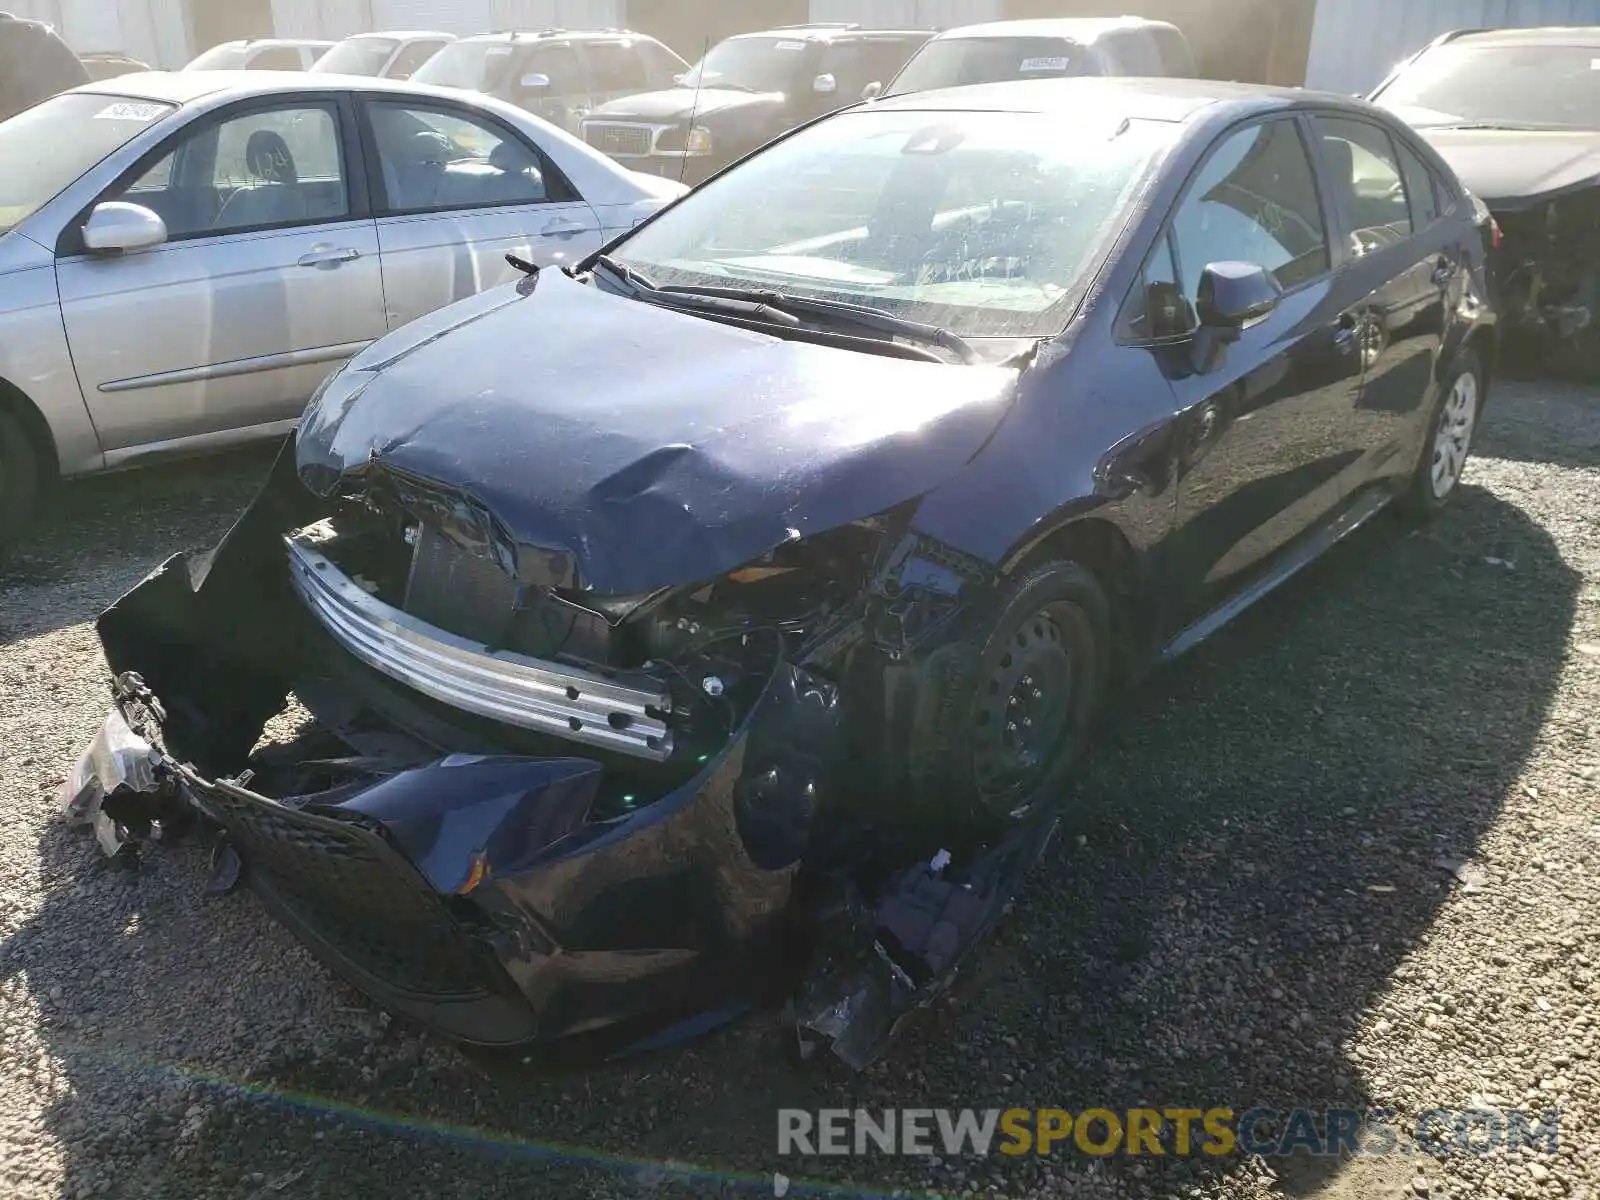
(840,312)
(1510,126)
(783,308)
(640,288)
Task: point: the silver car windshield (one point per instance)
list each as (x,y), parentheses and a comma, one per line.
(356,56)
(985,223)
(47,147)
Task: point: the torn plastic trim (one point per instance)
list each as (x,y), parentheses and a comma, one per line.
(504,686)
(904,951)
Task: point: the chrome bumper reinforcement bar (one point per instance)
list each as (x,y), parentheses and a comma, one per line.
(552,698)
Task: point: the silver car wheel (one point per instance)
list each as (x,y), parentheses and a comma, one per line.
(1453,438)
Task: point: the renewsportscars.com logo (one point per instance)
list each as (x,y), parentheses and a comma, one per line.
(1265,1132)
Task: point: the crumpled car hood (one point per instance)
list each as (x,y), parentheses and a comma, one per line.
(630,447)
(1514,168)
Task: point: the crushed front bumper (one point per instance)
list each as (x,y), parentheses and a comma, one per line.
(474,895)
(504,897)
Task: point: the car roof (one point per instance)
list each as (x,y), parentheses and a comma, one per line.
(1136,99)
(534,35)
(825,32)
(1076,29)
(1547,35)
(187,87)
(402,34)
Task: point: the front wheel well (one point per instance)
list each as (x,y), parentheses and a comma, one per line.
(1101,547)
(14,401)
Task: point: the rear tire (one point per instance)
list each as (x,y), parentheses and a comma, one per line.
(1449,440)
(19,479)
(1008,711)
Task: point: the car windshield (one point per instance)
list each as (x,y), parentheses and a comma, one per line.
(957,62)
(45,148)
(752,64)
(1552,87)
(357,56)
(229,56)
(475,66)
(986,223)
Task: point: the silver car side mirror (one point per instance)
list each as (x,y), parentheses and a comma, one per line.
(117,227)
(872,91)
(824,85)
(534,81)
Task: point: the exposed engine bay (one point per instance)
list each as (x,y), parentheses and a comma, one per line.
(1550,283)
(527,815)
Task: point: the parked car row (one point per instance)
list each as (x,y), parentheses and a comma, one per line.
(710,606)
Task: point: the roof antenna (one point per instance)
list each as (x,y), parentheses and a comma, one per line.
(694,108)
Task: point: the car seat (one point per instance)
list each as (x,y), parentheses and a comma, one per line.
(414,169)
(275,197)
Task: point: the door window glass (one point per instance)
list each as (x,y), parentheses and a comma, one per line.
(1158,308)
(1421,191)
(278,167)
(433,160)
(614,67)
(1366,176)
(1254,201)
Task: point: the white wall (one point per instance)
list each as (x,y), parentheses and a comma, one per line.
(908,14)
(152,31)
(320,18)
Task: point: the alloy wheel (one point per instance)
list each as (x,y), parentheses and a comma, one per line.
(1453,437)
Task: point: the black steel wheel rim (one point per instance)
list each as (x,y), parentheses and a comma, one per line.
(1023,712)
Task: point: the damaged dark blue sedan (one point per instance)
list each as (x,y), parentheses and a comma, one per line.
(719,622)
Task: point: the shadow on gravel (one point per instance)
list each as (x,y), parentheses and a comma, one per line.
(144,514)
(1205,934)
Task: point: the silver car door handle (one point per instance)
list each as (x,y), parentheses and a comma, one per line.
(327,256)
(563,227)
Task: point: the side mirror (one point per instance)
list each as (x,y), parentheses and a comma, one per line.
(117,227)
(873,90)
(824,85)
(1232,294)
(534,82)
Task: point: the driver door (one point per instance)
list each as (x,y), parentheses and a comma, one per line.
(1268,437)
(269,277)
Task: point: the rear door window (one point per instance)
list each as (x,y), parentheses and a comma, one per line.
(1422,190)
(1365,173)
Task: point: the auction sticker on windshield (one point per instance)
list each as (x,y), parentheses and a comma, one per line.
(129,110)
(789,46)
(1044,64)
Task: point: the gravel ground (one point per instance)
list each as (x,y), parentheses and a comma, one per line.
(1259,902)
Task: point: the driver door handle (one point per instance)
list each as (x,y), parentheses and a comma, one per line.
(329,256)
(563,227)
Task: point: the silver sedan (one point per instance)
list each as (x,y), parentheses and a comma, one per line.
(184,257)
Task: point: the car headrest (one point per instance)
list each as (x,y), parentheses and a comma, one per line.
(424,149)
(267,157)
